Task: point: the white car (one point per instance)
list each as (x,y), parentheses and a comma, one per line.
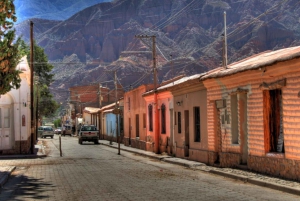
(88,133)
(57,130)
(45,131)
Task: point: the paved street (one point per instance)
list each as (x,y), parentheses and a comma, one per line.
(96,172)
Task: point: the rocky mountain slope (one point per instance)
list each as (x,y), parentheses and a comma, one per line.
(87,46)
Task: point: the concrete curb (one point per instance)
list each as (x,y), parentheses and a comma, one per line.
(257,182)
(136,152)
(6,175)
(27,156)
(245,179)
(279,187)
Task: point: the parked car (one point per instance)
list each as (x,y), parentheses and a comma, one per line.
(57,130)
(88,133)
(45,131)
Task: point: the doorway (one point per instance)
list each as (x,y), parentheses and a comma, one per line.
(186,133)
(129,137)
(243,127)
(5,128)
(273,121)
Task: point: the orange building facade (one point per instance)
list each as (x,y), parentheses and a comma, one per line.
(253,113)
(189,136)
(134,117)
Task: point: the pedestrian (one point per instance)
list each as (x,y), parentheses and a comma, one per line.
(64,130)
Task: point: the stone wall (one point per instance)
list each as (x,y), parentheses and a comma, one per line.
(230,160)
(212,157)
(138,144)
(198,155)
(110,138)
(275,166)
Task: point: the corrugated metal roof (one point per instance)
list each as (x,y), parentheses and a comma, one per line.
(91,110)
(256,61)
(177,82)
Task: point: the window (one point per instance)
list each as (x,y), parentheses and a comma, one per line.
(144,120)
(6,117)
(197,124)
(128,103)
(150,115)
(163,119)
(175,118)
(273,122)
(179,122)
(234,120)
(137,125)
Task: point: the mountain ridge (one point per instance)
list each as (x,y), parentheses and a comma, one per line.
(102,37)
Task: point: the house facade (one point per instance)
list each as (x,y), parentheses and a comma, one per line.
(160,117)
(158,124)
(190,138)
(91,116)
(253,113)
(111,122)
(135,134)
(15,136)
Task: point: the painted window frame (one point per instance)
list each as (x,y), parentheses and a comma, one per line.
(179,122)
(150,116)
(197,124)
(163,118)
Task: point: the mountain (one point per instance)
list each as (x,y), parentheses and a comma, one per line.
(51,9)
(86,47)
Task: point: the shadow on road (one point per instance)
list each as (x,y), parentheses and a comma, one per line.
(20,187)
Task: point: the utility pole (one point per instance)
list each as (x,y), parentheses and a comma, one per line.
(31,89)
(156,134)
(99,113)
(37,107)
(100,98)
(117,112)
(172,67)
(225,41)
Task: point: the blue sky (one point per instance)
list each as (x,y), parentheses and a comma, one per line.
(51,9)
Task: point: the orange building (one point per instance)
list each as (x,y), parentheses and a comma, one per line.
(253,113)
(189,120)
(135,117)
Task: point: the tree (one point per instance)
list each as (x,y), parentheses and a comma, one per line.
(57,123)
(46,105)
(10,54)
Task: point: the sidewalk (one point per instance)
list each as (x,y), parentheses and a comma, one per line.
(243,175)
(5,171)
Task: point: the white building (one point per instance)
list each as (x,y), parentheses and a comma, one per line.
(15,116)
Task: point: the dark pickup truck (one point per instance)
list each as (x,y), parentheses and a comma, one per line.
(88,133)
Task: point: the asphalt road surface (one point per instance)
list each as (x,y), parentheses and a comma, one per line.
(97,172)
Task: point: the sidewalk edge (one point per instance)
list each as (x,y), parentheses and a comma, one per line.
(4,179)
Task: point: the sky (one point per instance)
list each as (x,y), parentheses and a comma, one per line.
(51,9)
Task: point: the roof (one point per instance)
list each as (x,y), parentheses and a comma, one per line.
(112,105)
(107,111)
(177,82)
(256,61)
(91,110)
